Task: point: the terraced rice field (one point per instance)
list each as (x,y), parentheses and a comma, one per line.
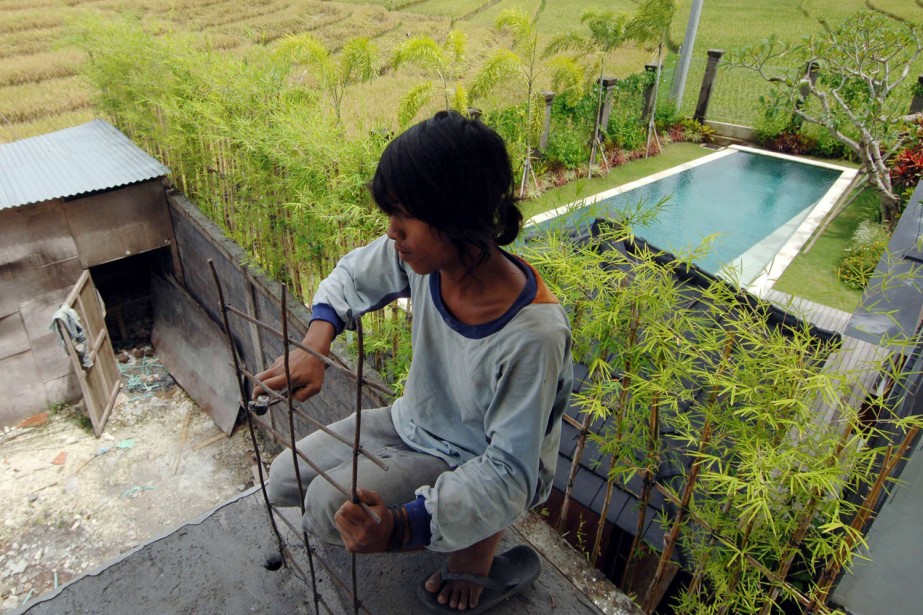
(41,88)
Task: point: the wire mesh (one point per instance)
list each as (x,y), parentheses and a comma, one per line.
(252,412)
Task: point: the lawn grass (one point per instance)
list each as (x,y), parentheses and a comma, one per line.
(672,155)
(811,274)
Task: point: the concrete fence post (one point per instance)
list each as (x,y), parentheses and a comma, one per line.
(916,105)
(649,93)
(606,84)
(711,69)
(546,126)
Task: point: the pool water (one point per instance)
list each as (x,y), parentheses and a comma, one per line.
(752,202)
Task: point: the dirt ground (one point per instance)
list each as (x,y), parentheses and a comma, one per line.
(72,502)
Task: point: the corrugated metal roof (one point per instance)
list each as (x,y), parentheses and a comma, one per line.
(92,156)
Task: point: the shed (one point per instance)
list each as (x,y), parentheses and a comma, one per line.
(81,211)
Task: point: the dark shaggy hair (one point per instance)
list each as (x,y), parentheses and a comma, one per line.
(454,174)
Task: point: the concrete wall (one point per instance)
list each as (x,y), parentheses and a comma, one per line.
(44,247)
(734,132)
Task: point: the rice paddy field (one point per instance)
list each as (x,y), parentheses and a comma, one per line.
(41,87)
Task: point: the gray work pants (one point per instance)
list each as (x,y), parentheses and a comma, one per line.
(407,470)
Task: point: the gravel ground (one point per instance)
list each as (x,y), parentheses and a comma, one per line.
(72,502)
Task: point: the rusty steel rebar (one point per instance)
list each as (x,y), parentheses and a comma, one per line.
(277,398)
(291,429)
(271,398)
(243,397)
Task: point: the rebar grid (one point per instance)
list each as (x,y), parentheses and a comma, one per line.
(251,411)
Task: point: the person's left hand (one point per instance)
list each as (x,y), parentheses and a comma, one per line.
(359,531)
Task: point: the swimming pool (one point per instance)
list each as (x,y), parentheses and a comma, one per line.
(762,207)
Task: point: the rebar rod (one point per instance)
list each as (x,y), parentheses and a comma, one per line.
(326,360)
(352,494)
(282,440)
(277,397)
(342,584)
(243,404)
(291,431)
(360,364)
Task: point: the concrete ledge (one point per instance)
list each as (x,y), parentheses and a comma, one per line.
(735,132)
(217,564)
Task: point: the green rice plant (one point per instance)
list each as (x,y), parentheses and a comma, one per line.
(487,13)
(897,9)
(241,13)
(28,42)
(18,5)
(442,8)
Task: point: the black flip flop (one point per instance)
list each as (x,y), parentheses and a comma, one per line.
(509,574)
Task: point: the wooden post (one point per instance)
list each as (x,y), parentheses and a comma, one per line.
(711,70)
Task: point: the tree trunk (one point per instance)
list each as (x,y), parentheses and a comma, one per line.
(889,206)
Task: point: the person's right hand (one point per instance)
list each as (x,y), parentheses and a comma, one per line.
(306,370)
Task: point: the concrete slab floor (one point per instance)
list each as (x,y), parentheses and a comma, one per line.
(217,564)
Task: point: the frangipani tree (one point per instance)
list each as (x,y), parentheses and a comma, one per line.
(862,63)
(354,64)
(522,63)
(447,61)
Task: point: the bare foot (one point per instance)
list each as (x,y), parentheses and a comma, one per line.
(475,559)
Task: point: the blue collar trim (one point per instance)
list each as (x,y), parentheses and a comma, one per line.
(483,330)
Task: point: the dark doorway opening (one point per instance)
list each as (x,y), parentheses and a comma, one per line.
(125,288)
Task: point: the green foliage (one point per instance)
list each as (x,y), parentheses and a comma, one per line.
(446,61)
(249,146)
(869,242)
(567,146)
(355,64)
(650,24)
(768,499)
(626,129)
(522,64)
(666,116)
(412,102)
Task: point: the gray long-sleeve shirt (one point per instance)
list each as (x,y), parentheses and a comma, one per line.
(486,398)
